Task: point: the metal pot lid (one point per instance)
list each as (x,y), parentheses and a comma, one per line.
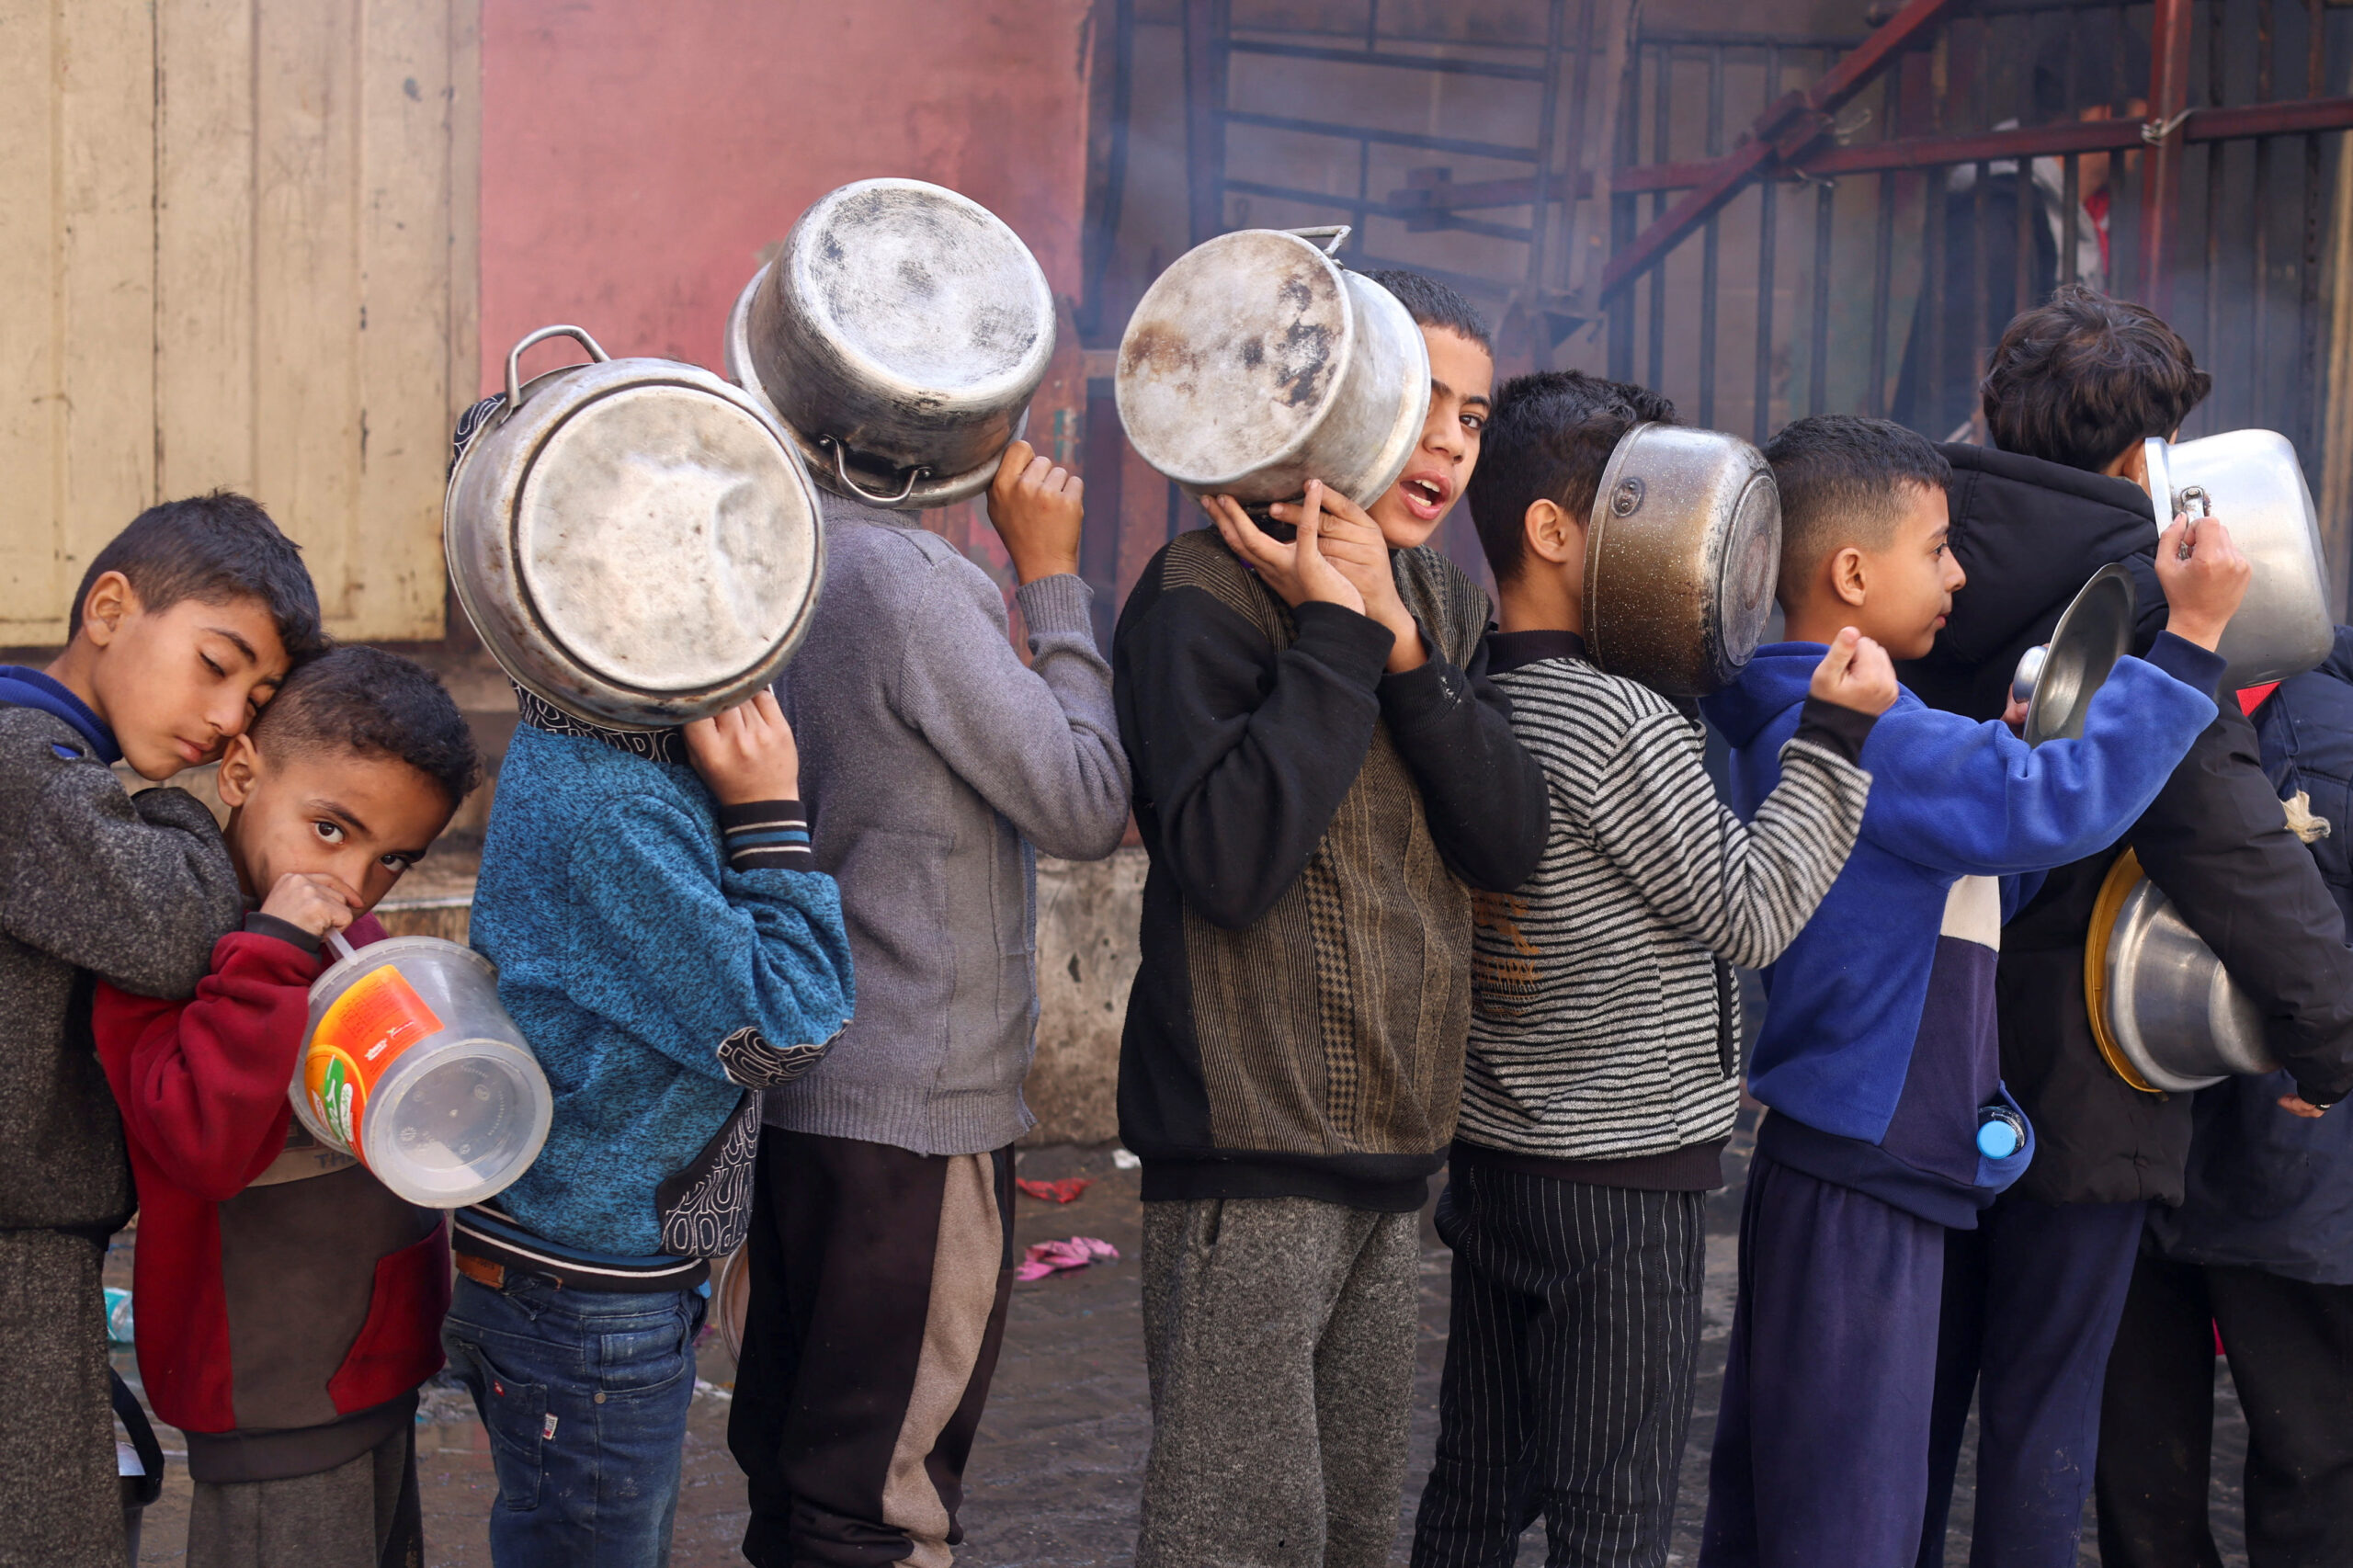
(2094,631)
(924,289)
(922,490)
(1233,356)
(663,538)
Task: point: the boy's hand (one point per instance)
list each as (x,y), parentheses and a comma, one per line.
(315,901)
(1035,508)
(1297,572)
(2204,578)
(2296,1105)
(1348,538)
(1855,673)
(747,754)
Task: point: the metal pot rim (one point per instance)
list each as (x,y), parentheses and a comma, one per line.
(818,458)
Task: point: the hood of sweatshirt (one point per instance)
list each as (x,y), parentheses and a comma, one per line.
(2030,534)
(1775,679)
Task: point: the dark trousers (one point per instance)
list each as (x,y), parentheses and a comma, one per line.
(1822,1437)
(880,1280)
(2290,1345)
(2031,1302)
(1569,1357)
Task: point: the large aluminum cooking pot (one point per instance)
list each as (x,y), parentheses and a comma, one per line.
(636,540)
(1256,363)
(2165,1014)
(2252,480)
(1681,555)
(899,336)
(2057,679)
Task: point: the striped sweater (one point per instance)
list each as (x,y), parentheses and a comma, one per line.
(1604,1023)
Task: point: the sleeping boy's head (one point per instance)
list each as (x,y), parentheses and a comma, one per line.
(2084,380)
(1462,377)
(1863,532)
(343,783)
(184,626)
(1549,439)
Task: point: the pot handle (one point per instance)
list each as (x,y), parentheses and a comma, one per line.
(1333,235)
(515,356)
(841,470)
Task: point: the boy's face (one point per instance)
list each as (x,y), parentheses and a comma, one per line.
(358,818)
(1462,384)
(175,685)
(1907,587)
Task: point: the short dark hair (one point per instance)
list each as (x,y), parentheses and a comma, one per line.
(378,704)
(1839,475)
(1547,439)
(214,548)
(1433,303)
(2079,380)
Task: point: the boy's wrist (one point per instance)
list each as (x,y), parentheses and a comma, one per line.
(766,836)
(1837,730)
(260,925)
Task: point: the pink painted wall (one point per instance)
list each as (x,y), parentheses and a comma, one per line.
(637,156)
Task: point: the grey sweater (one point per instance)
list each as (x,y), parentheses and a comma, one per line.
(934,766)
(130,889)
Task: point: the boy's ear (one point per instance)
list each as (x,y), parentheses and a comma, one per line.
(240,770)
(1552,535)
(1849,576)
(112,600)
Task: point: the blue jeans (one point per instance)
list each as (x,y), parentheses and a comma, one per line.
(585,1394)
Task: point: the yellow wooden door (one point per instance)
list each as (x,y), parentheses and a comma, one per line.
(237,250)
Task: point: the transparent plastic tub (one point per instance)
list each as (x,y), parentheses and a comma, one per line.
(412,1065)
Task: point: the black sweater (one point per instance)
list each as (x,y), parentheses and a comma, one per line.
(2215,842)
(1314,828)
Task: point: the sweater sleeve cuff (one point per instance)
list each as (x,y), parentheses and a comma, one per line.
(1060,603)
(1430,687)
(1838,730)
(1356,645)
(261,925)
(766,836)
(2188,663)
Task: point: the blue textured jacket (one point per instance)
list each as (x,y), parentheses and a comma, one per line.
(634,956)
(1880,1049)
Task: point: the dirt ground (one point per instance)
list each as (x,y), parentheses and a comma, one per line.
(1054,1478)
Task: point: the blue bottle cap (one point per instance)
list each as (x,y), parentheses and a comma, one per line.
(1996,1139)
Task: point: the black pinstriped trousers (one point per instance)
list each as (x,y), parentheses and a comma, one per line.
(1569,1361)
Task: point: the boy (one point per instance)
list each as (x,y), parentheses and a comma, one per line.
(1324,772)
(2258,1253)
(937,767)
(669,950)
(1878,1060)
(288,1305)
(2033,1294)
(1604,1068)
(181,629)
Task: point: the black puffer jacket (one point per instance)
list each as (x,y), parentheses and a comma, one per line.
(2215,841)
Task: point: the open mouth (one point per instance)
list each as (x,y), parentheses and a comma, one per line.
(1426,496)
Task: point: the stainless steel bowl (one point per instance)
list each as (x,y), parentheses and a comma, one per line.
(2058,677)
(2251,480)
(636,542)
(899,335)
(2165,1014)
(1681,555)
(1256,363)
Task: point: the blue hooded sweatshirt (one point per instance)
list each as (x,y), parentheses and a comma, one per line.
(1879,1048)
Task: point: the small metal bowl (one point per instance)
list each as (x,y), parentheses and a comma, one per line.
(2165,1013)
(2058,677)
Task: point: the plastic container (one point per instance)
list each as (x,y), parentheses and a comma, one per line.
(119,1323)
(2001,1132)
(412,1065)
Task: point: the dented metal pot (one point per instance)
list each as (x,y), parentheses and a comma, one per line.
(899,336)
(1256,363)
(635,540)
(1682,553)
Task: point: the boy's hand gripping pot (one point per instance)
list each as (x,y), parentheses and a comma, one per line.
(411,1064)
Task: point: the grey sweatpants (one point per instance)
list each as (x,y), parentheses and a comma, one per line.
(1279,1338)
(61,1502)
(362,1514)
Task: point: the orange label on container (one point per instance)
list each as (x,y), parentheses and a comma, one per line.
(358,1037)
